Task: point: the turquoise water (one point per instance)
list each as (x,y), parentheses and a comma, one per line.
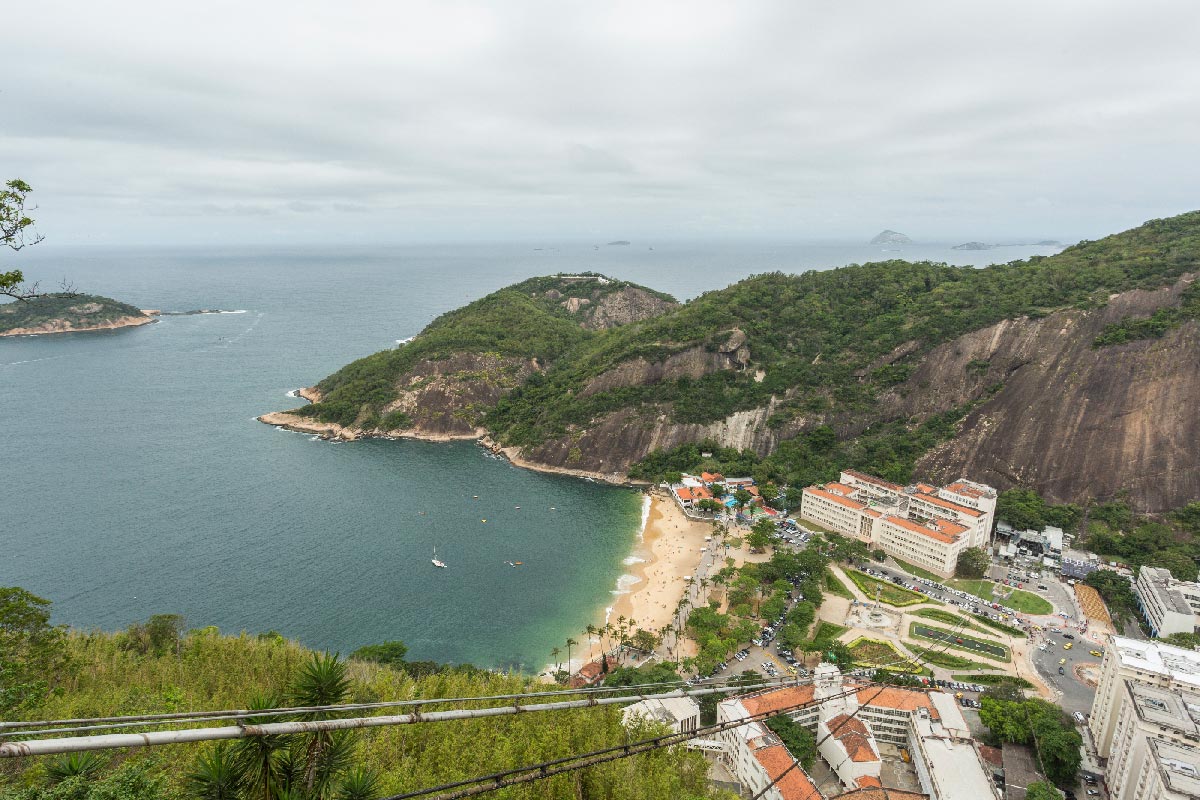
(137,481)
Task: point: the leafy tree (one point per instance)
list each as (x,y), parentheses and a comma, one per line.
(1116,592)
(1041,790)
(1182,566)
(796,738)
(1188,640)
(664,672)
(760,536)
(1041,724)
(972,563)
(34,651)
(879,555)
(709,505)
(742,497)
(391,653)
(1188,517)
(16,232)
(769,493)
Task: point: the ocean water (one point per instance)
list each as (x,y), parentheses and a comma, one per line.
(137,481)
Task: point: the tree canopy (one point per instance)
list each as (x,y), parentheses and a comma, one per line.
(16,233)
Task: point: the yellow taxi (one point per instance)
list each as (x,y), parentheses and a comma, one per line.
(1068,645)
(1096,653)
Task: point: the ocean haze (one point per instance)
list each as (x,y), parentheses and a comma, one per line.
(141,483)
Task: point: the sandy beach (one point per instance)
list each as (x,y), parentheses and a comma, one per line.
(670,547)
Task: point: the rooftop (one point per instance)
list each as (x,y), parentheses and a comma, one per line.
(855,737)
(1163,584)
(836,498)
(940,529)
(666,709)
(882,794)
(776,760)
(1177,708)
(1178,663)
(946,504)
(871,479)
(957,767)
(1178,767)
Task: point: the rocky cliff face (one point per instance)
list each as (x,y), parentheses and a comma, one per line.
(1076,422)
(603,308)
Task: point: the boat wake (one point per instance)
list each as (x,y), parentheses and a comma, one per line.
(197,311)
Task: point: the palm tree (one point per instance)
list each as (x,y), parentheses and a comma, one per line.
(321,682)
(360,783)
(570,643)
(215,776)
(554,653)
(257,758)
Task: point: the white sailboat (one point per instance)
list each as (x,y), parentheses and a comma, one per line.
(436,563)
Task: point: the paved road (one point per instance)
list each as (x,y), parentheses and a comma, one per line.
(1076,696)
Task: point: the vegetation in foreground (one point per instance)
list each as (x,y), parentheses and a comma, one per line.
(1012,718)
(158,667)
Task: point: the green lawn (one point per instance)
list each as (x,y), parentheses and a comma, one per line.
(889,592)
(826,632)
(950,618)
(941,659)
(979,588)
(992,680)
(1000,626)
(1028,603)
(948,638)
(912,569)
(835,586)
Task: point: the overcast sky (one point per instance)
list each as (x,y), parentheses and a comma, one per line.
(444,121)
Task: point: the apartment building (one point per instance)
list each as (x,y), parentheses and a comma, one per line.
(1170,606)
(928,724)
(918,524)
(1149,717)
(1152,664)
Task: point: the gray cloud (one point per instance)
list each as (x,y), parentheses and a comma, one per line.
(141,121)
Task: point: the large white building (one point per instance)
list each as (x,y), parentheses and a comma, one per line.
(682,714)
(920,524)
(1155,737)
(1170,606)
(1152,664)
(928,723)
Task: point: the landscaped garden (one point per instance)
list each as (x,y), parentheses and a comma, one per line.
(950,618)
(980,588)
(836,587)
(993,680)
(888,592)
(942,659)
(1000,626)
(875,653)
(959,641)
(825,633)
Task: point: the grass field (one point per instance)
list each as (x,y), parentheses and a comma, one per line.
(912,569)
(979,647)
(942,659)
(950,618)
(826,632)
(835,586)
(979,588)
(889,592)
(1028,603)
(1000,626)
(992,680)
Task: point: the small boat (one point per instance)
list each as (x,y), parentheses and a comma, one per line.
(436,562)
(518,508)
(514,563)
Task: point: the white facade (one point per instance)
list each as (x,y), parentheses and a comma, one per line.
(1149,663)
(920,524)
(1170,606)
(1146,714)
(682,714)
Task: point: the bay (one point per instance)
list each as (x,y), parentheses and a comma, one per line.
(138,482)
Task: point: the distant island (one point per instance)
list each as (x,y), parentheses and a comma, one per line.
(66,312)
(891,237)
(986,246)
(619,243)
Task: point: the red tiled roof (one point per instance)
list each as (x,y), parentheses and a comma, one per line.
(836,498)
(865,478)
(752,490)
(941,532)
(778,699)
(868,780)
(711,477)
(897,698)
(925,488)
(879,793)
(684,493)
(840,488)
(937,501)
(795,785)
(700,493)
(854,736)
(964,490)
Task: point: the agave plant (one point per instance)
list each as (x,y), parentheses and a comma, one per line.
(257,758)
(321,682)
(216,775)
(360,783)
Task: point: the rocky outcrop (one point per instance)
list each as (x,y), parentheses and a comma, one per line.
(1076,422)
(76,326)
(447,398)
(891,237)
(693,363)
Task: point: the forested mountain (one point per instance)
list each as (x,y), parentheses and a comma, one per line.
(67,311)
(1065,372)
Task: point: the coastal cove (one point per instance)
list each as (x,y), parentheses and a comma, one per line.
(245,527)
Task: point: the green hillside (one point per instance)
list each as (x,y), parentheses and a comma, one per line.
(76,310)
(154,667)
